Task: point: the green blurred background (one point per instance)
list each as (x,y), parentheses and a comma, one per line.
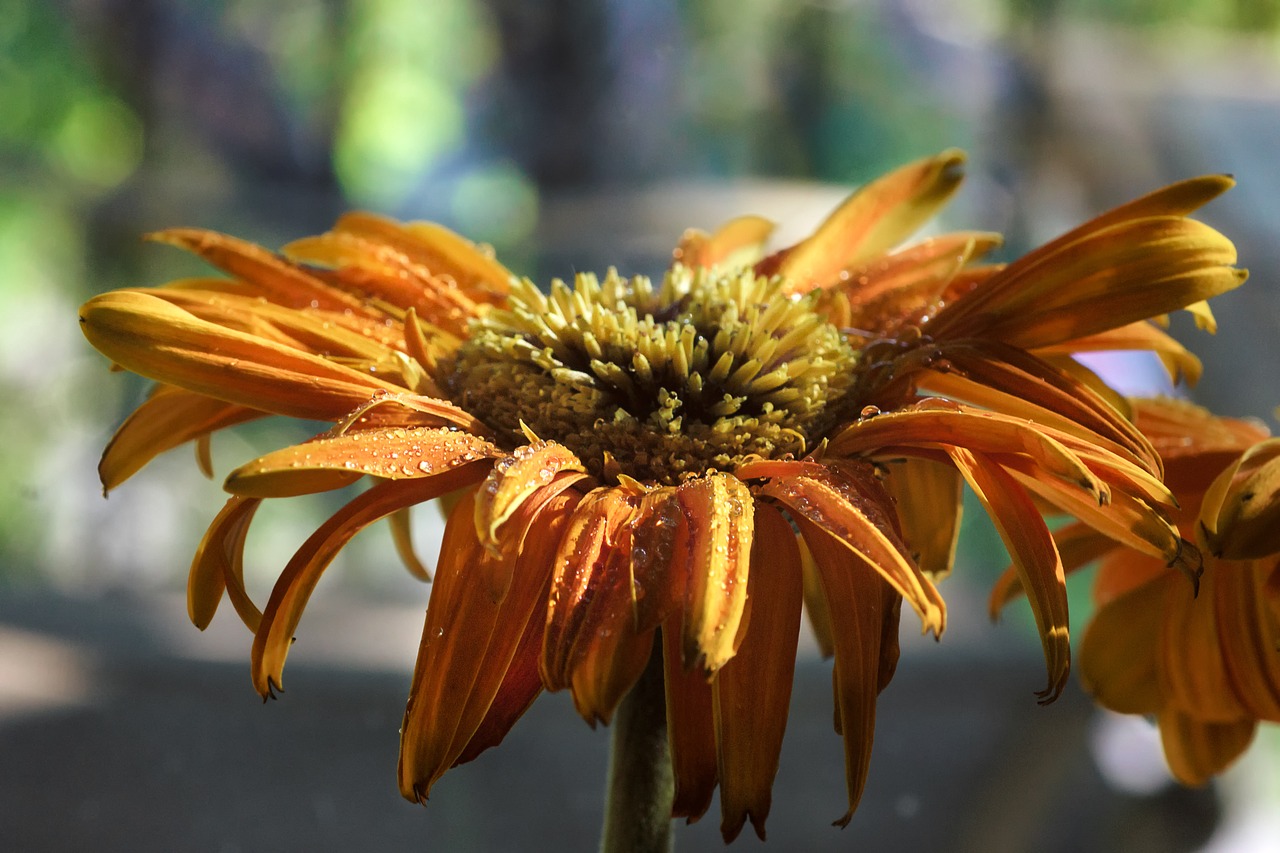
(572,134)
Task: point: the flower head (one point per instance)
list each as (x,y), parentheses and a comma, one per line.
(637,468)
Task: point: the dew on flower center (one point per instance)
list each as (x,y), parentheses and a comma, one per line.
(658,383)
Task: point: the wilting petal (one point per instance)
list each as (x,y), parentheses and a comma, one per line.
(865,527)
(719,510)
(877,217)
(928,498)
(294,586)
(736,243)
(469,642)
(513,480)
(1078,546)
(864,621)
(816,606)
(751,693)
(218,566)
(169,417)
(690,730)
(1197,750)
(1033,551)
(660,543)
(332,461)
(162,342)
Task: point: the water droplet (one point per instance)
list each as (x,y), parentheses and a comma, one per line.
(869,411)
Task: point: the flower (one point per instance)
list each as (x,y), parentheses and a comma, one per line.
(1204,665)
(637,468)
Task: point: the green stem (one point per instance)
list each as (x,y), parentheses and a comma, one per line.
(637,815)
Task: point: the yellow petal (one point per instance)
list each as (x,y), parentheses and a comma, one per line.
(1033,551)
(169,417)
(218,566)
(295,584)
(877,217)
(1121,645)
(720,511)
(333,461)
(752,692)
(1245,522)
(1177,359)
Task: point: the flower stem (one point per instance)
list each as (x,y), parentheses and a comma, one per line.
(637,817)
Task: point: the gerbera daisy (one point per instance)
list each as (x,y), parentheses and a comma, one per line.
(653,476)
(1207,666)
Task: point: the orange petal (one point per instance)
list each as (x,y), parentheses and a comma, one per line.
(293,588)
(468,643)
(401,522)
(660,543)
(332,461)
(169,417)
(1190,661)
(864,621)
(1078,546)
(928,498)
(877,217)
(218,566)
(1177,359)
(1118,655)
(816,606)
(719,510)
(1241,511)
(751,693)
(1197,750)
(1249,636)
(864,525)
(270,275)
(1033,551)
(513,480)
(150,336)
(736,243)
(690,730)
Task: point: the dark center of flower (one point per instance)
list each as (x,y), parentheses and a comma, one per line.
(659,383)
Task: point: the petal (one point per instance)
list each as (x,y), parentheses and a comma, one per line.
(1246,524)
(864,619)
(401,522)
(513,480)
(169,417)
(752,692)
(660,549)
(1177,359)
(690,730)
(863,524)
(1190,664)
(1249,636)
(469,643)
(332,461)
(928,498)
(719,510)
(272,276)
(816,606)
(1033,551)
(1198,750)
(293,588)
(152,337)
(736,243)
(218,566)
(1078,545)
(875,218)
(1121,645)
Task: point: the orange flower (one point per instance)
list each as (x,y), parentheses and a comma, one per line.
(1206,666)
(670,469)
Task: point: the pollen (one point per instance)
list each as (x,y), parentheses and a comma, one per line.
(658,383)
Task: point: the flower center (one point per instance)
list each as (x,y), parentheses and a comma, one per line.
(659,383)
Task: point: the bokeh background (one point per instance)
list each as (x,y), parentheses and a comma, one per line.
(569,134)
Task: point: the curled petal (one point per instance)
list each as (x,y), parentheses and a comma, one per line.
(1240,515)
(218,566)
(736,243)
(513,480)
(751,693)
(299,578)
(1078,545)
(401,522)
(719,510)
(928,498)
(333,461)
